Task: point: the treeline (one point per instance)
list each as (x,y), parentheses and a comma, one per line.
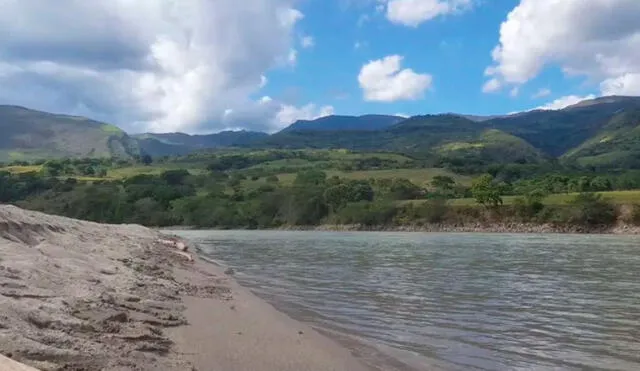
(222,200)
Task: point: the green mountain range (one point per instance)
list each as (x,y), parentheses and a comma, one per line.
(603,132)
(31,135)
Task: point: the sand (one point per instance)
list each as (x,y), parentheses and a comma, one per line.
(77,295)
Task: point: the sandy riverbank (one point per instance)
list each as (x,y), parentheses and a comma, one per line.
(77,295)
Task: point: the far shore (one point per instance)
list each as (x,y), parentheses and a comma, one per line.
(524,228)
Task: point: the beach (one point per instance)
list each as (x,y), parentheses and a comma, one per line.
(78,295)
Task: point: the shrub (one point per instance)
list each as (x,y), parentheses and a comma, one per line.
(634,215)
(429,212)
(591,209)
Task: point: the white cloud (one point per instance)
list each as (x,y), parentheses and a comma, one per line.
(292,57)
(565,102)
(626,84)
(289,114)
(307,42)
(491,86)
(599,39)
(541,93)
(414,12)
(157,65)
(263,81)
(278,114)
(514,91)
(383,80)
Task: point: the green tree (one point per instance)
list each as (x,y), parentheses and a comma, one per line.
(486,192)
(443,183)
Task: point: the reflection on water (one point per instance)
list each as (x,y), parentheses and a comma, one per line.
(465,301)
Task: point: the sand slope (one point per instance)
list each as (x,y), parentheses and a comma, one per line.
(77,295)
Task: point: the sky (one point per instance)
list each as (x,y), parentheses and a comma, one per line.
(203,66)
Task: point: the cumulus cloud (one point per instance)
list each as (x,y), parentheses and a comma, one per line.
(565,102)
(599,39)
(278,115)
(383,80)
(307,42)
(541,93)
(414,12)
(160,65)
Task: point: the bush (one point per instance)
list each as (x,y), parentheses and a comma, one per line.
(529,206)
(366,213)
(591,209)
(429,212)
(634,215)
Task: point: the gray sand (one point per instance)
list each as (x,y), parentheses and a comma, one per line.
(77,295)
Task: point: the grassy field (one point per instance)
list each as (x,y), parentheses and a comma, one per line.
(417,176)
(22,169)
(127,172)
(617,197)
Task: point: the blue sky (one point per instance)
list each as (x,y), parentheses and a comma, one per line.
(202,66)
(455,49)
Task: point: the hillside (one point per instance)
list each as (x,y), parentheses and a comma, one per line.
(346,123)
(449,138)
(597,132)
(616,144)
(29,134)
(181,143)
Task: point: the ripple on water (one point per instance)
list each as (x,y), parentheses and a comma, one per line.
(463,301)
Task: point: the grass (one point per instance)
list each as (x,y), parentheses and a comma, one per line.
(22,169)
(617,197)
(417,176)
(127,172)
(111,129)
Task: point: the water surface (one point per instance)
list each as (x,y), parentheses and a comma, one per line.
(460,301)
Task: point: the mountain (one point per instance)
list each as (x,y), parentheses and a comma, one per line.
(616,144)
(345,123)
(181,143)
(448,137)
(603,132)
(557,132)
(28,134)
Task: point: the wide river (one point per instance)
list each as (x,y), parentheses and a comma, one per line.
(454,301)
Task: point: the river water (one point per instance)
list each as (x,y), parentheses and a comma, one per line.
(454,301)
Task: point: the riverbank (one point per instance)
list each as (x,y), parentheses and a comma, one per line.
(87,296)
(618,229)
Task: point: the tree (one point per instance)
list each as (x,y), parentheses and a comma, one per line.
(486,192)
(310,177)
(146,159)
(175,177)
(443,183)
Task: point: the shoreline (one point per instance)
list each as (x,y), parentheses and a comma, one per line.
(86,296)
(500,228)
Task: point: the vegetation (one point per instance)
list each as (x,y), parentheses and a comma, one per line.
(574,167)
(601,134)
(248,189)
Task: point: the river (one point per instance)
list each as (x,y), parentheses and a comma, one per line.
(454,301)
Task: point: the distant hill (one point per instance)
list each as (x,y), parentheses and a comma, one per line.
(615,145)
(603,132)
(181,143)
(449,138)
(556,132)
(346,123)
(29,134)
